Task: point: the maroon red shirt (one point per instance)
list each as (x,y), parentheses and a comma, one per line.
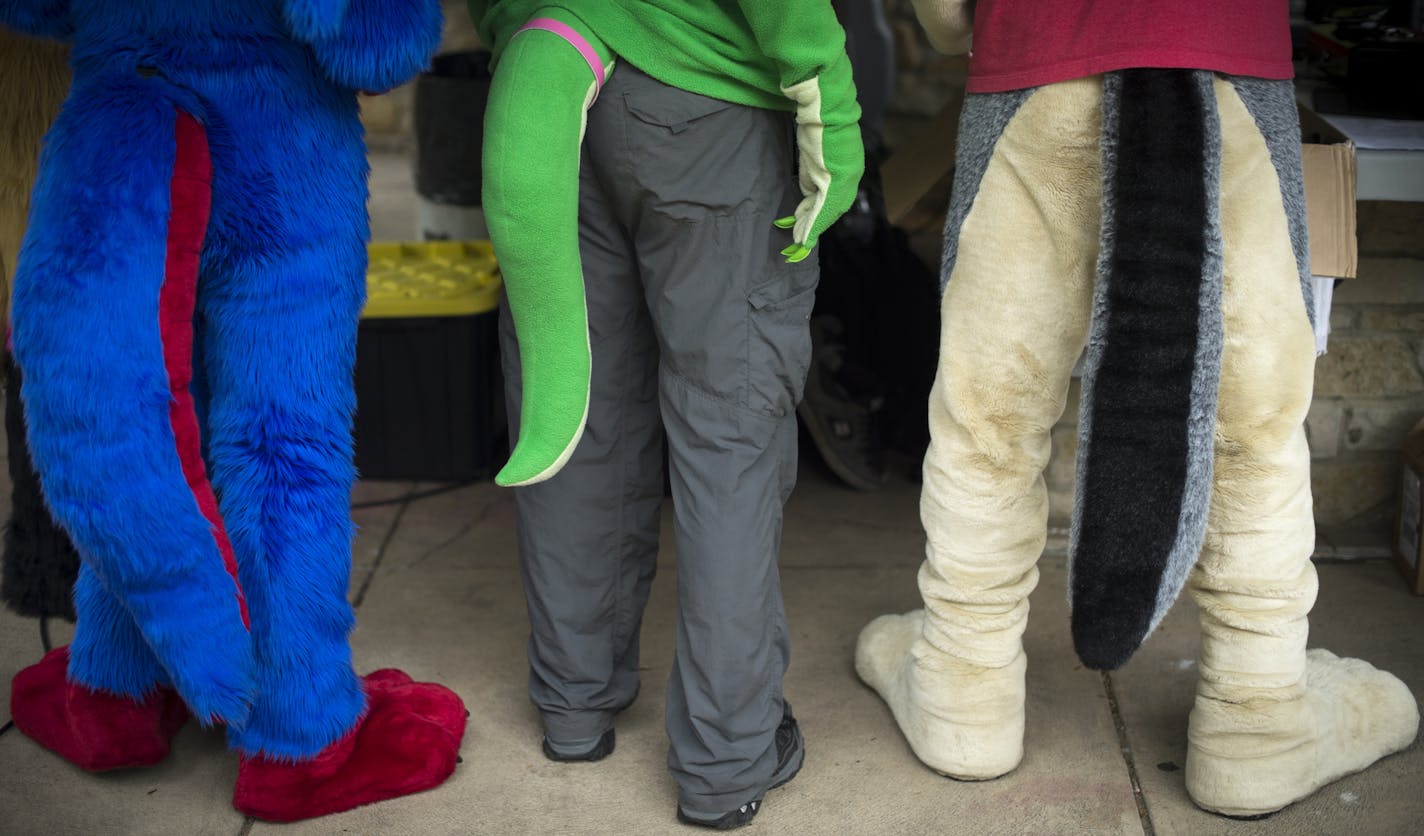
(1027,43)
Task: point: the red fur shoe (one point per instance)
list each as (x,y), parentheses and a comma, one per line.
(407,742)
(435,703)
(93,730)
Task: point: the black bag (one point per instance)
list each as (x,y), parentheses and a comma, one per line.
(886,301)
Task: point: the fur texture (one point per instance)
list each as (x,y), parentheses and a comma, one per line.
(1131,550)
(99,424)
(40,563)
(948,24)
(982,121)
(1272,107)
(93,730)
(954,675)
(1152,362)
(405,744)
(1271,723)
(283,280)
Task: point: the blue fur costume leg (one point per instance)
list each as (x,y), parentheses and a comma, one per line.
(280,291)
(280,346)
(97,395)
(108,651)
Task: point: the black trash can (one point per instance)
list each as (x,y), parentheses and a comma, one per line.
(450,101)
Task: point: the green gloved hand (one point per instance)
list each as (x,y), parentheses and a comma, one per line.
(831,158)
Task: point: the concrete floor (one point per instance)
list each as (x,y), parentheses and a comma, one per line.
(436,588)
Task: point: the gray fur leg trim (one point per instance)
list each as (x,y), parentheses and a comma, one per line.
(1272,104)
(981,123)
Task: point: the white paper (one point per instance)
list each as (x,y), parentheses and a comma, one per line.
(1324,291)
(1381,134)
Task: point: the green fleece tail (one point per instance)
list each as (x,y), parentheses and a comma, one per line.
(533,129)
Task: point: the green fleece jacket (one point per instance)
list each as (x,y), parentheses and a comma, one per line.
(743,51)
(777,54)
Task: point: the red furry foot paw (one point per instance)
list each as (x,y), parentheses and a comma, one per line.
(435,703)
(404,744)
(91,729)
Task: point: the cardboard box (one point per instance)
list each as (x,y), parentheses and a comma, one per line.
(1328,158)
(918,164)
(1409,520)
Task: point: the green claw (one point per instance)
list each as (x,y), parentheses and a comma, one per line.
(796,253)
(784,223)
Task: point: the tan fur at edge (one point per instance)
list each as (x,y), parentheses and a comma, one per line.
(34,79)
(1015,317)
(948,24)
(1270,724)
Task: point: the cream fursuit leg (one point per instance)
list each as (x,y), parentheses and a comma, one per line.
(1271,723)
(1015,317)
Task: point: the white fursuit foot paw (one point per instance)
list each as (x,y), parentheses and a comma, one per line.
(962,720)
(1251,752)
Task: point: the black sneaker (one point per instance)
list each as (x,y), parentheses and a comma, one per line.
(600,750)
(844,428)
(790,754)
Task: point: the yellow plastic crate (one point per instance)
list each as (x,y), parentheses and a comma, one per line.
(429,393)
(431,278)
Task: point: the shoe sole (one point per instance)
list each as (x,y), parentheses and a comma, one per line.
(602,749)
(597,753)
(731,821)
(826,449)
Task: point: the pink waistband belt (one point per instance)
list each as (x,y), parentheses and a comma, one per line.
(576,40)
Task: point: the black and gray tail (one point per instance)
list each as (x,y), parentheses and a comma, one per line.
(1153,362)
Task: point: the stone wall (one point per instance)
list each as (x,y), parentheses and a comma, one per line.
(1369,386)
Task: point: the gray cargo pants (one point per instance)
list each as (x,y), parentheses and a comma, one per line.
(699,331)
